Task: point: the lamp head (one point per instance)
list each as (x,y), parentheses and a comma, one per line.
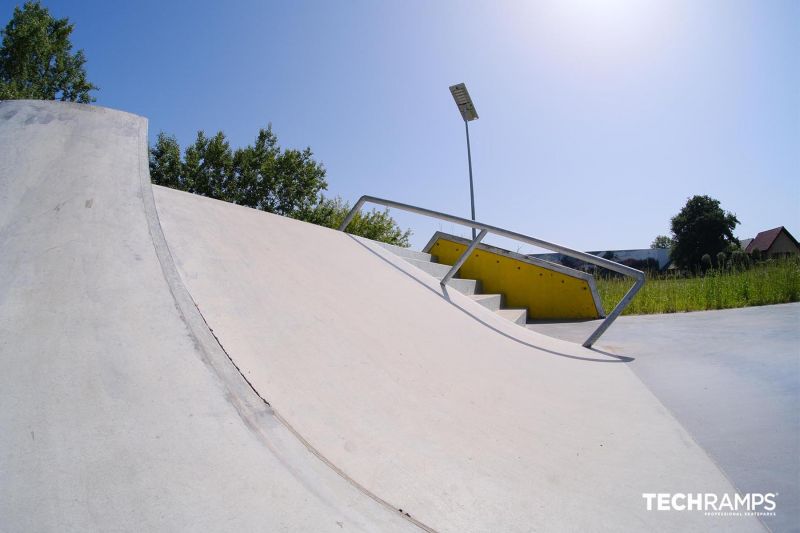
(464,102)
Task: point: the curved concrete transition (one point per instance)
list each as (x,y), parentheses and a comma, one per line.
(115,413)
(391,405)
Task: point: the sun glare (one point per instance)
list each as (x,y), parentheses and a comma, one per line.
(602,33)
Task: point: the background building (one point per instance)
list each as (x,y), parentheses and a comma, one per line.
(776,242)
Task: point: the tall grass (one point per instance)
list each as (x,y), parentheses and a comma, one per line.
(770,282)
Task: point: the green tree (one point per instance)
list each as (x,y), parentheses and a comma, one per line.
(253,165)
(165,162)
(263,176)
(661,241)
(36,59)
(213,173)
(374,224)
(282,181)
(705,262)
(739,259)
(701,227)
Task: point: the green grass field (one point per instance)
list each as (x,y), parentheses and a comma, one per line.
(771,282)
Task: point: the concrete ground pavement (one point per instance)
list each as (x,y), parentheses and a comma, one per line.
(732,378)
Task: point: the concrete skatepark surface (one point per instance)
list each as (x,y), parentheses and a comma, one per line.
(732,378)
(172,362)
(114,417)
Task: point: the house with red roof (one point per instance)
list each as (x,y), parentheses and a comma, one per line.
(776,242)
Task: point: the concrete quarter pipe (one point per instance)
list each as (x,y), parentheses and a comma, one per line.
(171,362)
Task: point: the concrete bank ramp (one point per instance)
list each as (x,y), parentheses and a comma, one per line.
(427,399)
(393,405)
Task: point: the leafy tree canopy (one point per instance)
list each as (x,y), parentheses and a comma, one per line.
(36,59)
(661,241)
(702,228)
(375,225)
(263,176)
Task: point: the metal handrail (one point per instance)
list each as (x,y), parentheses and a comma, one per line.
(638,275)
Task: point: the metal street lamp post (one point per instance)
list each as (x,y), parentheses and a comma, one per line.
(468,113)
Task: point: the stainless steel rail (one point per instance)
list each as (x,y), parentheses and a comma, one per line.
(638,275)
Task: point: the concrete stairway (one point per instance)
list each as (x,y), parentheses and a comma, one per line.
(472,288)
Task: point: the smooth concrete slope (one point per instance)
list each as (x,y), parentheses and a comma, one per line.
(116,414)
(425,398)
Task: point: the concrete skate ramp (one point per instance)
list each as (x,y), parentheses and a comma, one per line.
(393,405)
(114,414)
(427,399)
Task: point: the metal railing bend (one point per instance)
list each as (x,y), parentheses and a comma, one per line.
(638,275)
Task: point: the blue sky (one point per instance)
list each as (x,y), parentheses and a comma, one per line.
(597,118)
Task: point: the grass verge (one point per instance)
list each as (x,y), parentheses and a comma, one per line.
(770,282)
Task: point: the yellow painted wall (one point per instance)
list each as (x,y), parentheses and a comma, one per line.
(547,294)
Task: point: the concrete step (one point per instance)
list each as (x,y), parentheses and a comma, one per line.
(493,302)
(426,263)
(465,286)
(405,253)
(518,316)
(436,270)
